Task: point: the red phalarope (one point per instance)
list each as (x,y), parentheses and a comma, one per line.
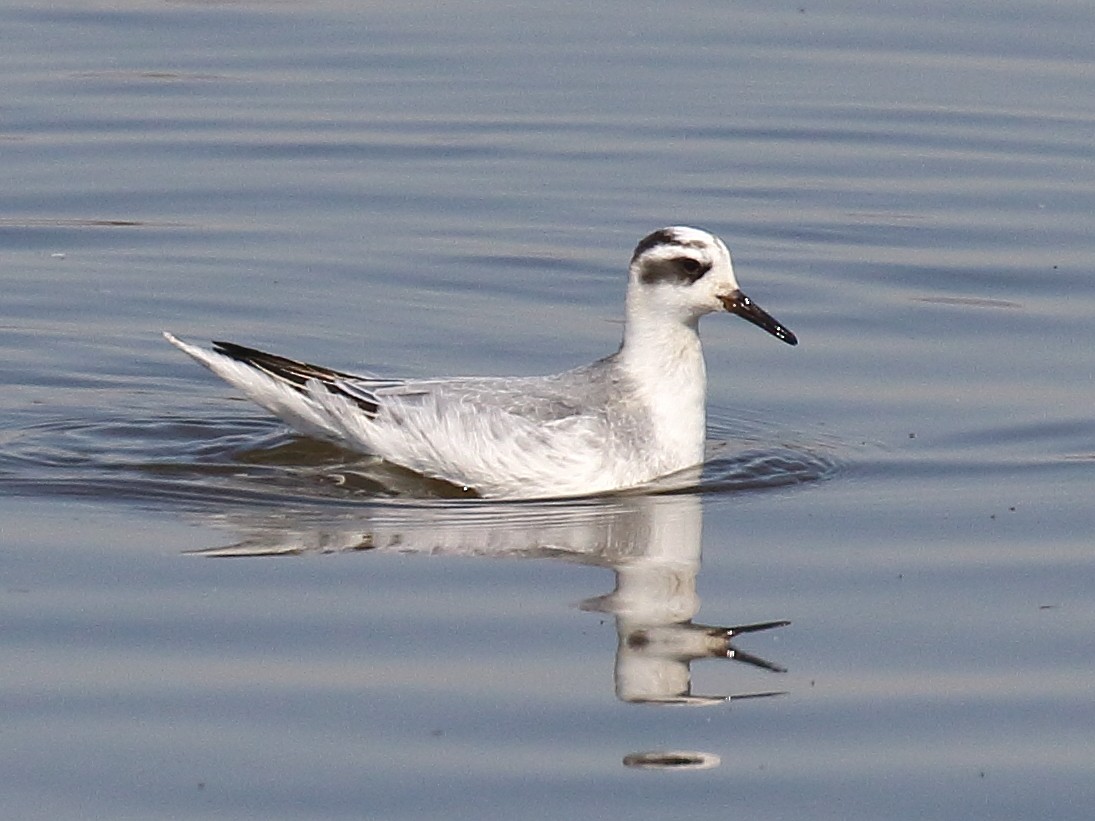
(619,422)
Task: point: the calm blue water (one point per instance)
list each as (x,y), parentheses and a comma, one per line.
(457,189)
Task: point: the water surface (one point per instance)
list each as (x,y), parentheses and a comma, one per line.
(456,190)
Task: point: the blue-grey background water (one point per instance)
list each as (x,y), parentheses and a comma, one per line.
(455,188)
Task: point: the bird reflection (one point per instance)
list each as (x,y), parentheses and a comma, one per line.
(651,542)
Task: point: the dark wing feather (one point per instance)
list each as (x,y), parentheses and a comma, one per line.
(297,374)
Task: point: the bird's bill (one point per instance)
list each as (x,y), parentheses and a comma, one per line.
(738,303)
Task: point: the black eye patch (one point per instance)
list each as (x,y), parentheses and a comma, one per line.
(679,270)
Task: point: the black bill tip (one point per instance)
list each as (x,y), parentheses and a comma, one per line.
(738,303)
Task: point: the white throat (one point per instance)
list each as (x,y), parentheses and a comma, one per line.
(662,353)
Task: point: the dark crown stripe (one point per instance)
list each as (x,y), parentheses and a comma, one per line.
(662,237)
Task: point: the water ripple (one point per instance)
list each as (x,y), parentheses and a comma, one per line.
(187,462)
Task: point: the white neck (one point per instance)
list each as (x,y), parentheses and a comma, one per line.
(663,354)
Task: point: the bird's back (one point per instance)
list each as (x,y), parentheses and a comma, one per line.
(582,430)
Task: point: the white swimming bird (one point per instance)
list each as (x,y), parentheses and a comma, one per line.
(617,423)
